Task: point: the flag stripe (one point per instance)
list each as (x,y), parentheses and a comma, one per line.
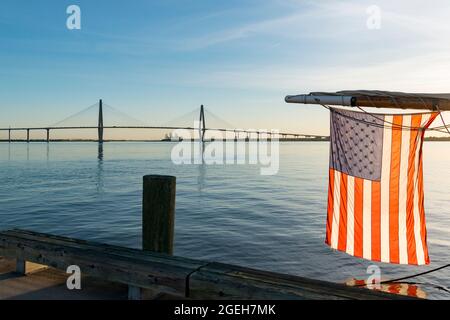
(336,210)
(417,224)
(394,189)
(330,206)
(359,190)
(431,118)
(403,191)
(421,257)
(350,215)
(342,241)
(385,179)
(414,134)
(367,220)
(376,221)
(423,228)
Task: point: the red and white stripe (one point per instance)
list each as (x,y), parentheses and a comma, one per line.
(384,220)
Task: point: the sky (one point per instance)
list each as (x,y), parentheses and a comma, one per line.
(156,60)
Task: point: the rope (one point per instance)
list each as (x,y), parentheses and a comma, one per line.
(393,125)
(442,119)
(437,129)
(394,99)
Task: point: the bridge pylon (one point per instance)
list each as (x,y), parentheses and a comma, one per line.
(202,126)
(100,121)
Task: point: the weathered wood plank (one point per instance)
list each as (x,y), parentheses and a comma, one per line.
(222,281)
(21,267)
(151,272)
(140,269)
(101,247)
(134,293)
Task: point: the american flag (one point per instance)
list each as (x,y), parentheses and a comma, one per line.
(375,197)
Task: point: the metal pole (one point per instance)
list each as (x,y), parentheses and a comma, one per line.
(414,101)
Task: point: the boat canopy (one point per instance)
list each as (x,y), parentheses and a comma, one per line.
(376,99)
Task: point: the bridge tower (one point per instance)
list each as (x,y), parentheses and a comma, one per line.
(100,122)
(202,127)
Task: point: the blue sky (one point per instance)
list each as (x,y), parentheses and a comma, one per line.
(160,59)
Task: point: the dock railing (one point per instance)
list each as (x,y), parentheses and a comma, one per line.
(155,268)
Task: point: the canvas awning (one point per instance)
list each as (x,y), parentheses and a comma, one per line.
(376,99)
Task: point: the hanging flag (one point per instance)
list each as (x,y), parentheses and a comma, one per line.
(375,197)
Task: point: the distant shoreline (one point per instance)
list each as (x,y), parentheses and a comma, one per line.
(438,139)
(91,140)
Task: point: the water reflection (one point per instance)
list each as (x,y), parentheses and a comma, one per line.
(100,152)
(100,177)
(48,152)
(201,177)
(404,289)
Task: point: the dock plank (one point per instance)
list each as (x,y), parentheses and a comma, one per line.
(179,276)
(222,281)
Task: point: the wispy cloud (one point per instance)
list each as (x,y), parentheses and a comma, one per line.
(427,73)
(332,20)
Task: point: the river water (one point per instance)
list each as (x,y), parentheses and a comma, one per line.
(226,213)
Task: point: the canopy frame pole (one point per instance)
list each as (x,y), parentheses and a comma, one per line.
(387,102)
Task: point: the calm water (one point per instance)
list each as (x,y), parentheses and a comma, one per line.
(228,213)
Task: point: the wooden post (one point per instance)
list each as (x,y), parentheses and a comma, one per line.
(158,213)
(158,218)
(21,267)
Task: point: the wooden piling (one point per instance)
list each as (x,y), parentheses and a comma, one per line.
(158,218)
(21,266)
(158,213)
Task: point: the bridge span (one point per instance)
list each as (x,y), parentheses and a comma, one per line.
(202,129)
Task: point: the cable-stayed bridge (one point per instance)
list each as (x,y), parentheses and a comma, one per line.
(200,127)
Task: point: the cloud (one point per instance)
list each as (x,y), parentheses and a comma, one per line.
(334,21)
(426,73)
